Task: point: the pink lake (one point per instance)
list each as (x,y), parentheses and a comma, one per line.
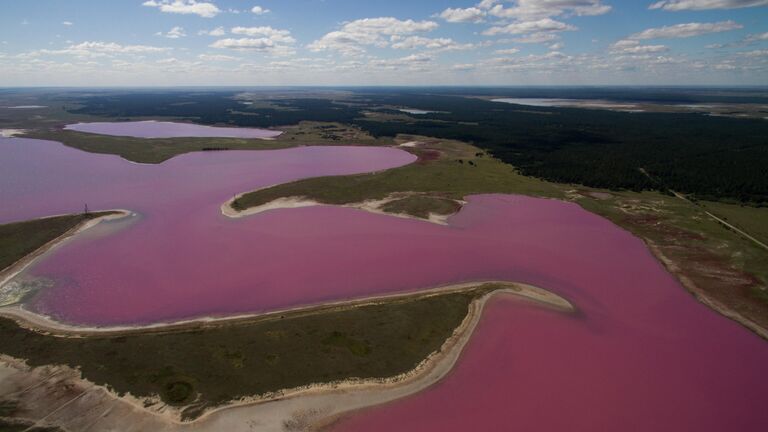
(641,354)
(161,129)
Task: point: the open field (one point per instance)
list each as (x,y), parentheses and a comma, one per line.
(753,220)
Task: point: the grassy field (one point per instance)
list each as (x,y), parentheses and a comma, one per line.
(20,239)
(422,206)
(752,220)
(211,364)
(154,150)
(445,170)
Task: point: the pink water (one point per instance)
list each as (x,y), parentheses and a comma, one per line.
(158,129)
(641,354)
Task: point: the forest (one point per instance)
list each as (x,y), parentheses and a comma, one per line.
(716,158)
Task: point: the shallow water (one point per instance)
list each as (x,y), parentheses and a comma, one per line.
(158,129)
(641,354)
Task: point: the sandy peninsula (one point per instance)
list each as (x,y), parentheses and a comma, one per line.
(371,206)
(58,395)
(7,274)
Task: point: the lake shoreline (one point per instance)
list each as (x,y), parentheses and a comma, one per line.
(291,405)
(10,272)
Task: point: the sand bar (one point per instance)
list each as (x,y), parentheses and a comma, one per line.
(302,408)
(371,206)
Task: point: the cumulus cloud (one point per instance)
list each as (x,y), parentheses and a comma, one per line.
(251,44)
(413,62)
(756,37)
(538,26)
(114,47)
(463,67)
(678,5)
(279,36)
(353,36)
(537,21)
(203,9)
(216,57)
(96,49)
(436,44)
(259,39)
(755,53)
(174,33)
(536,9)
(507,51)
(458,15)
(536,38)
(258,10)
(218,31)
(686,30)
(629,46)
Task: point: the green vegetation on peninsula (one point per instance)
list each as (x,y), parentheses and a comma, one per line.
(19,239)
(204,365)
(158,150)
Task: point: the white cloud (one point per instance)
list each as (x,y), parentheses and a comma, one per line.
(678,5)
(458,15)
(174,33)
(507,51)
(536,9)
(439,44)
(258,10)
(259,39)
(413,62)
(686,30)
(388,26)
(755,53)
(114,47)
(216,57)
(522,27)
(218,31)
(203,9)
(536,38)
(628,46)
(756,37)
(251,44)
(67,23)
(351,38)
(96,49)
(279,36)
(463,67)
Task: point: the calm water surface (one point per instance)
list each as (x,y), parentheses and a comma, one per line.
(159,129)
(641,354)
